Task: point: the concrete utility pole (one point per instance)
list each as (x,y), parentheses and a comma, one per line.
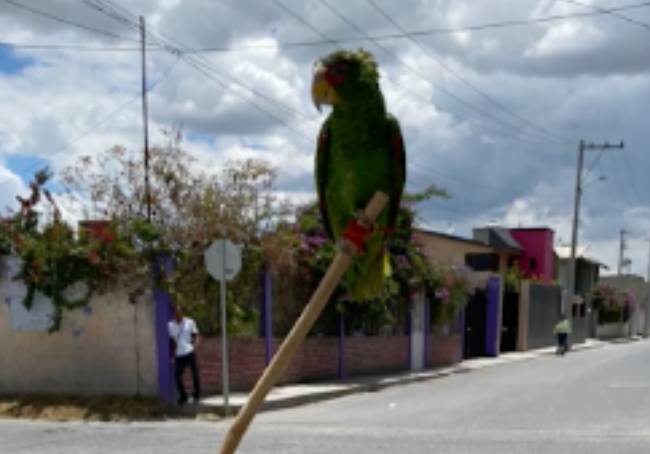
(648,275)
(621,252)
(582,147)
(145,117)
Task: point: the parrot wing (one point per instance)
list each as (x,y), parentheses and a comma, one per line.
(396,146)
(322,170)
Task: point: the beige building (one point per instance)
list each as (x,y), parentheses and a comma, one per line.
(482,260)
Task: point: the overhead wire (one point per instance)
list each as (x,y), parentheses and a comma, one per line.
(609,12)
(620,186)
(410,35)
(468,105)
(179,48)
(632,178)
(74,47)
(63,20)
(429,32)
(381,37)
(411,166)
(206,69)
(458,76)
(93,128)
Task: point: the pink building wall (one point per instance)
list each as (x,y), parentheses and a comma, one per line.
(537,245)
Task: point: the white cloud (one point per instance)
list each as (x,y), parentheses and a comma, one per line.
(567,38)
(10,186)
(581,78)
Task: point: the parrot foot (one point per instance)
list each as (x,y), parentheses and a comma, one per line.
(357,232)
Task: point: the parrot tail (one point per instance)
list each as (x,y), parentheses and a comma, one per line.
(366,278)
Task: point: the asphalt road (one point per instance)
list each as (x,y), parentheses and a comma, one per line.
(593,402)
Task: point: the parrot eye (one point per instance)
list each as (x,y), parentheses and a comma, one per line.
(337,73)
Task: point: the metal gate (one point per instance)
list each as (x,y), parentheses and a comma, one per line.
(475,325)
(510,322)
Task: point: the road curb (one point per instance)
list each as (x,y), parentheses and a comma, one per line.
(380,384)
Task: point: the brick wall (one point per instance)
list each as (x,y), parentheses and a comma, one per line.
(444,350)
(318,359)
(368,355)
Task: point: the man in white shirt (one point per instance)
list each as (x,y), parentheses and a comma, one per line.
(184,338)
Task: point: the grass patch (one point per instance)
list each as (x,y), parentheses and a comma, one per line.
(73,408)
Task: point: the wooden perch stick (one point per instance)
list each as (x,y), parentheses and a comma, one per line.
(299,331)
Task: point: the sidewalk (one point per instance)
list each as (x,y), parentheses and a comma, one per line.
(300,394)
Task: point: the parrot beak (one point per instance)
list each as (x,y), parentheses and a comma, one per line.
(321,91)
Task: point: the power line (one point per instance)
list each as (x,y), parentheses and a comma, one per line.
(610,12)
(433,31)
(622,189)
(410,165)
(207,73)
(455,74)
(594,163)
(66,21)
(414,70)
(632,178)
(405,89)
(109,11)
(413,168)
(348,40)
(305,22)
(74,47)
(205,68)
(178,48)
(105,118)
(333,42)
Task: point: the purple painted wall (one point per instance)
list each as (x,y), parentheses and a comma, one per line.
(267,311)
(492,321)
(162,303)
(341,363)
(427,331)
(537,245)
(463,333)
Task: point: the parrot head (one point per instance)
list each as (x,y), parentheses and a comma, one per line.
(342,76)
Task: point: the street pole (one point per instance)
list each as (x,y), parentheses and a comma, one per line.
(224,333)
(574,226)
(648,275)
(621,252)
(145,117)
(646,324)
(582,147)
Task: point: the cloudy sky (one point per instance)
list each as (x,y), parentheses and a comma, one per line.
(493,96)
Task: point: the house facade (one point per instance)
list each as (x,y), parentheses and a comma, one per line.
(487,265)
(639,289)
(537,260)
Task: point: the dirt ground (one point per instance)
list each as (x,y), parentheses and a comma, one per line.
(69,408)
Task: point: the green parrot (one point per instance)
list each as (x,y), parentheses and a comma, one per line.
(360,151)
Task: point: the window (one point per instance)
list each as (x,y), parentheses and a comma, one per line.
(482,262)
(532,264)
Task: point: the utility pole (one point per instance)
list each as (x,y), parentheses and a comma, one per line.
(582,147)
(646,325)
(145,117)
(648,276)
(621,252)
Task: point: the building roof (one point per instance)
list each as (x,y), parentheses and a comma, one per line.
(463,240)
(535,229)
(564,253)
(497,237)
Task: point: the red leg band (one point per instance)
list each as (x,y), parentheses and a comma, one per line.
(357,234)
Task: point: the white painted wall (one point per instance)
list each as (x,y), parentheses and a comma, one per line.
(94,353)
(417,333)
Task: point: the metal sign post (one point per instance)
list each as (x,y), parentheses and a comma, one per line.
(223,262)
(224,333)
